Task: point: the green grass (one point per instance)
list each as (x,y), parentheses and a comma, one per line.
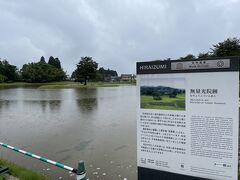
(24,84)
(13,85)
(64,85)
(167,103)
(70,84)
(77,85)
(21,173)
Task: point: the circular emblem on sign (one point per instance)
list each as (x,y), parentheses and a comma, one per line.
(220,64)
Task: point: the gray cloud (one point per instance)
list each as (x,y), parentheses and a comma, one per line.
(115,33)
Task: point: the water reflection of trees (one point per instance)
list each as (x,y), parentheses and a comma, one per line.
(5,104)
(52,105)
(87,104)
(86,99)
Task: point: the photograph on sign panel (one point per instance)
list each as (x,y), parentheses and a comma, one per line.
(163,93)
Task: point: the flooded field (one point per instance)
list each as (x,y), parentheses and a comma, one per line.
(68,125)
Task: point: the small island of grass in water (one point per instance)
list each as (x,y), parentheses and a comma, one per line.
(64,85)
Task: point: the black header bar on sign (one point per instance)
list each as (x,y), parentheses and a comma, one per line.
(189,66)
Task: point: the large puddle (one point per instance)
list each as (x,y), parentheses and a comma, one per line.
(68,125)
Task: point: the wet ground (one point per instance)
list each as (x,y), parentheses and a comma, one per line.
(68,125)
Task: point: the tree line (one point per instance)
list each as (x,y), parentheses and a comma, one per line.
(42,71)
(158,91)
(229,47)
(87,68)
(8,72)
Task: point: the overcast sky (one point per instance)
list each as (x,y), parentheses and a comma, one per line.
(116,33)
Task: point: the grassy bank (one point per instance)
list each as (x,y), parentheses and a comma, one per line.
(21,173)
(77,85)
(63,85)
(13,85)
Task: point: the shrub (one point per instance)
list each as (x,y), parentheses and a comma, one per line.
(157,97)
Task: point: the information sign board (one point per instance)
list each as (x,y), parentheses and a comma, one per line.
(188,119)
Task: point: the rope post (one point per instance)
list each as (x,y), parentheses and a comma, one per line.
(81,173)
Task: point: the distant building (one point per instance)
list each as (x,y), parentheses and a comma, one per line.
(127,77)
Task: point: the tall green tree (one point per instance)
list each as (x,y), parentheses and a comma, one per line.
(8,72)
(229,47)
(105,74)
(54,62)
(42,72)
(42,59)
(86,69)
